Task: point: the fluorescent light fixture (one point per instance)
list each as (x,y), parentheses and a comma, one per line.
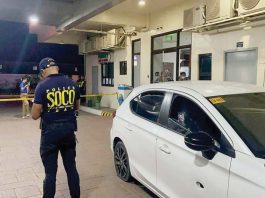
(33,20)
(141,3)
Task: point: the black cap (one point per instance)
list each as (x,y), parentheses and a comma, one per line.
(46,63)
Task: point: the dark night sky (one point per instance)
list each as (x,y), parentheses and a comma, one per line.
(19,50)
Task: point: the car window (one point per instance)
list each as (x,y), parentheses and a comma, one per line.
(148,105)
(246,114)
(187,117)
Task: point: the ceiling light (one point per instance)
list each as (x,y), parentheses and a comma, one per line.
(33,20)
(141,3)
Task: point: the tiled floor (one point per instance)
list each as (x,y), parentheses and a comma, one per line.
(21,170)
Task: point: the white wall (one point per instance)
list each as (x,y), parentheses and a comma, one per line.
(218,44)
(92,60)
(172,19)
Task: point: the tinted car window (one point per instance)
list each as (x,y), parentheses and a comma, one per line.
(187,117)
(148,105)
(246,114)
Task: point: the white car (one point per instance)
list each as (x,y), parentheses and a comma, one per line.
(193,139)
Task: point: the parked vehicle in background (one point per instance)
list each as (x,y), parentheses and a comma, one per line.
(193,139)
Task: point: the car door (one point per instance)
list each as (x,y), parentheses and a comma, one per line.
(182,172)
(142,134)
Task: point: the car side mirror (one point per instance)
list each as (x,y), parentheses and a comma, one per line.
(200,141)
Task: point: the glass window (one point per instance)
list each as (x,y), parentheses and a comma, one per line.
(205,67)
(246,114)
(164,65)
(185,38)
(148,105)
(123,67)
(137,47)
(107,74)
(136,64)
(165,41)
(184,64)
(187,117)
(171,54)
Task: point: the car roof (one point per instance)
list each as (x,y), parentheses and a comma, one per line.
(208,88)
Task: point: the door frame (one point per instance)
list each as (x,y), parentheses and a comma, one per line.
(95,66)
(211,64)
(241,50)
(133,54)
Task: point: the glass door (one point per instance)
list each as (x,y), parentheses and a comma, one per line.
(184,70)
(136,63)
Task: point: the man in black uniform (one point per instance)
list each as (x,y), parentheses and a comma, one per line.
(81,83)
(56,100)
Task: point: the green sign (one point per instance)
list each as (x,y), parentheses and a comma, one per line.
(103,57)
(169,37)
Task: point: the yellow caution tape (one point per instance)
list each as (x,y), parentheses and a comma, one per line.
(94,95)
(14,99)
(82,96)
(106,114)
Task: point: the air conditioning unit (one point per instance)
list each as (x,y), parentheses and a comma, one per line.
(247,6)
(99,42)
(194,17)
(83,47)
(110,39)
(114,39)
(88,46)
(217,10)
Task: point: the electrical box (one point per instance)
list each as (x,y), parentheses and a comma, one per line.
(194,17)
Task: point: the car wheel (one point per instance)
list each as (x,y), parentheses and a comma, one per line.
(121,162)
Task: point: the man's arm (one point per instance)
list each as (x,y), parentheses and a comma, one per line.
(77,104)
(27,85)
(36,111)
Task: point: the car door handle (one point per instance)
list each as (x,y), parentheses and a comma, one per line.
(165,149)
(199,184)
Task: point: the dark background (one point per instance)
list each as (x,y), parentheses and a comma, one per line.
(20,52)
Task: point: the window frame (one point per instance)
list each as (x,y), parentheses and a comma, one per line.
(132,58)
(175,49)
(227,148)
(146,91)
(108,76)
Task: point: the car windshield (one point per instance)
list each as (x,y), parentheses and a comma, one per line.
(246,114)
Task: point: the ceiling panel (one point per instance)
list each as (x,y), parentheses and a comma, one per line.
(131,6)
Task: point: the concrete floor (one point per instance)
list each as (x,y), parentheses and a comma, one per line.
(21,170)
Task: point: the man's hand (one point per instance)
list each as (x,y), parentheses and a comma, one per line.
(36,111)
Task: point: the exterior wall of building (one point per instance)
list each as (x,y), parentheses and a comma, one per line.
(218,44)
(116,57)
(172,19)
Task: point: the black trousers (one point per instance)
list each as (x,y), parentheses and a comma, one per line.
(54,138)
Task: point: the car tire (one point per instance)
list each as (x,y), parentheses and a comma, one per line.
(121,162)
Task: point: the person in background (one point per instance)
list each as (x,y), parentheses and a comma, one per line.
(24,90)
(157,77)
(182,76)
(56,101)
(81,82)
